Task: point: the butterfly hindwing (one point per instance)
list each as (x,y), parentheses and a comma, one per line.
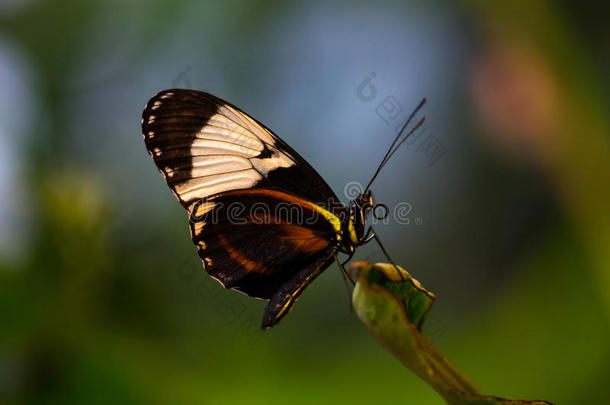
(254,240)
(264,243)
(283,299)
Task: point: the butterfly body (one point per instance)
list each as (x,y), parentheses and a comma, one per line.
(262,219)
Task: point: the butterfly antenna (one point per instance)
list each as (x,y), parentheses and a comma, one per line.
(415,128)
(393,149)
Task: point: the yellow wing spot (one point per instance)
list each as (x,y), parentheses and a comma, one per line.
(204,208)
(198,228)
(157,151)
(202,245)
(169,172)
(151,134)
(151,119)
(208,261)
(156,105)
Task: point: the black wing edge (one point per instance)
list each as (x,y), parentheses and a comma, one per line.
(283,300)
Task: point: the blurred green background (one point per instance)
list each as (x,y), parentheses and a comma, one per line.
(103,298)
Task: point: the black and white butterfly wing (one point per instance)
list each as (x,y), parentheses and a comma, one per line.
(207,150)
(204,145)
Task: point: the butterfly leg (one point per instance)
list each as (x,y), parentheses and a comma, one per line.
(346,277)
(385,252)
(369,236)
(344,272)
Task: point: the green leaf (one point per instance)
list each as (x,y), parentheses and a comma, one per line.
(392,305)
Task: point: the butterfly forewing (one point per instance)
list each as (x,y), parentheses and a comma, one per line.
(203,145)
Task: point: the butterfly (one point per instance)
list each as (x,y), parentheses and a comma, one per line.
(262,219)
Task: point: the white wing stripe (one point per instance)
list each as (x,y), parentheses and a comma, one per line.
(221,121)
(229,136)
(194,189)
(247,123)
(202,147)
(217,168)
(212,160)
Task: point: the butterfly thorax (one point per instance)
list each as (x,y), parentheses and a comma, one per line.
(353,225)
